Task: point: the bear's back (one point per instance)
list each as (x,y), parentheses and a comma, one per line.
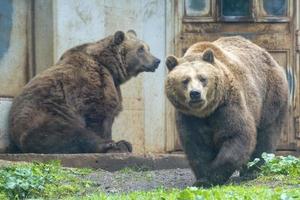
(252,65)
(249,53)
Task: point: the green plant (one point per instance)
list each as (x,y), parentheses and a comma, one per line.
(278,165)
(34,180)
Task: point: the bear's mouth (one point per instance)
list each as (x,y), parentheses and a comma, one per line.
(196,103)
(150,68)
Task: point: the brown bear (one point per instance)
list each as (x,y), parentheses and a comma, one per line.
(71,106)
(231,101)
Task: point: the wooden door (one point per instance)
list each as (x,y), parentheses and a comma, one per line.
(268,23)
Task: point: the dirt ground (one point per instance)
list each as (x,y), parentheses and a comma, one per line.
(128,180)
(131,179)
(143,179)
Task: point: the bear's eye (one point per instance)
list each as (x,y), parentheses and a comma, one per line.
(141,49)
(185,81)
(203,80)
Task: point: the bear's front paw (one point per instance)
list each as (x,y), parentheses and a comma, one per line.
(121,147)
(104,147)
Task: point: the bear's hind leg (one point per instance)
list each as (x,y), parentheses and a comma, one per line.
(267,141)
(104,130)
(57,137)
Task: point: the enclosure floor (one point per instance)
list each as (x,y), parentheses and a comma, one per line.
(129,181)
(108,162)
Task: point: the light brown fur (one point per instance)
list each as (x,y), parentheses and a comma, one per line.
(242,108)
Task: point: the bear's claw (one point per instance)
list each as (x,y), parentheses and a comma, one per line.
(121,146)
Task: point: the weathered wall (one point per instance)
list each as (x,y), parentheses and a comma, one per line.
(14,57)
(13,46)
(76,21)
(35,33)
(5,104)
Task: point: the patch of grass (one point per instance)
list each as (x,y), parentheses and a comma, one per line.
(33,180)
(279,179)
(192,193)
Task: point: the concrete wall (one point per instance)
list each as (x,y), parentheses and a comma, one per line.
(13,46)
(5,104)
(14,57)
(38,38)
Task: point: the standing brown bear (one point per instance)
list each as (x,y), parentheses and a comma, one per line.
(70,107)
(231,100)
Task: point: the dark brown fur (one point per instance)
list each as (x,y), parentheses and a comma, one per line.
(70,107)
(246,103)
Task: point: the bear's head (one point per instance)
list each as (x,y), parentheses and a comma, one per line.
(124,55)
(193,83)
(138,56)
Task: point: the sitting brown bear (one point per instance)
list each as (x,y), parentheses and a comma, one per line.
(70,107)
(231,100)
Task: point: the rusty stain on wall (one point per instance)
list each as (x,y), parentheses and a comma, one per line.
(13,62)
(5,25)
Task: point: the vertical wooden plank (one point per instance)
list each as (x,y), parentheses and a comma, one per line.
(179,14)
(297,103)
(30,37)
(283,59)
(153,32)
(170,50)
(43,34)
(175,12)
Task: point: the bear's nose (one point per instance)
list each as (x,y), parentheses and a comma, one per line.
(195,95)
(156,62)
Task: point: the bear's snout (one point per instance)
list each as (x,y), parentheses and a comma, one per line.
(154,65)
(195,95)
(156,62)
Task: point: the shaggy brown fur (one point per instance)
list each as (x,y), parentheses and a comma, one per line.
(231,99)
(70,107)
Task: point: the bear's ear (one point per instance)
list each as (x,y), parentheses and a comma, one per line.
(131,33)
(171,62)
(119,37)
(208,56)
